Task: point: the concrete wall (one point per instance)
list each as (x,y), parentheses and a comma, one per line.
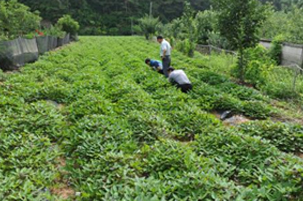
(265,44)
(291,53)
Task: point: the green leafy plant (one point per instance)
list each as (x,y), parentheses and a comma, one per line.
(257,66)
(186,41)
(91,115)
(55,31)
(148,25)
(16,19)
(186,47)
(68,24)
(275,51)
(239,23)
(205,22)
(286,137)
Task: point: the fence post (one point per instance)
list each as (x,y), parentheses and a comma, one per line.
(210,50)
(295,80)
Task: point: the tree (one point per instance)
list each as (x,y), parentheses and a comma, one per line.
(16,19)
(50,10)
(239,23)
(277,23)
(110,17)
(148,25)
(68,24)
(205,23)
(190,29)
(295,29)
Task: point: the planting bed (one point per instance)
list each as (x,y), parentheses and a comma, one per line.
(124,133)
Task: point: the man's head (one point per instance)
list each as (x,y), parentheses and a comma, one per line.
(160,39)
(147,61)
(170,70)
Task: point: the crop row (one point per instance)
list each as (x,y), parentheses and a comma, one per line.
(127,134)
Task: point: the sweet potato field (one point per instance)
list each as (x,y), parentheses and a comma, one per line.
(92,122)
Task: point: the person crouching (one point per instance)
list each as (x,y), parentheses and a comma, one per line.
(156,65)
(180,78)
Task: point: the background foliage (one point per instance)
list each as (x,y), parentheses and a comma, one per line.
(116,17)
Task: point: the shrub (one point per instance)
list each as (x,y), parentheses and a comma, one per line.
(16,19)
(205,22)
(214,38)
(68,24)
(148,25)
(275,51)
(239,24)
(187,47)
(257,66)
(55,31)
(3,37)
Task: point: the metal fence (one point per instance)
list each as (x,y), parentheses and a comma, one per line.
(293,76)
(211,50)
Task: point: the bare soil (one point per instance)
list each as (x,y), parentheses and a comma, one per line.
(63,192)
(57,105)
(232,121)
(236,120)
(300,155)
(62,188)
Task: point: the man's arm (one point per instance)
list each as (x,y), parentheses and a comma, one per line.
(171,78)
(164,53)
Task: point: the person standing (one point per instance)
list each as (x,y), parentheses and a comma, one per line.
(180,78)
(165,53)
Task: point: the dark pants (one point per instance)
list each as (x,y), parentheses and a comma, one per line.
(161,72)
(166,64)
(185,88)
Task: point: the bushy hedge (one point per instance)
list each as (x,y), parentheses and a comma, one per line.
(68,24)
(16,19)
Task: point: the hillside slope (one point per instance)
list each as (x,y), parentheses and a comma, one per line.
(93,120)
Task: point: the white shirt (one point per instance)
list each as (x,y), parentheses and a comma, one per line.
(165,46)
(179,76)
